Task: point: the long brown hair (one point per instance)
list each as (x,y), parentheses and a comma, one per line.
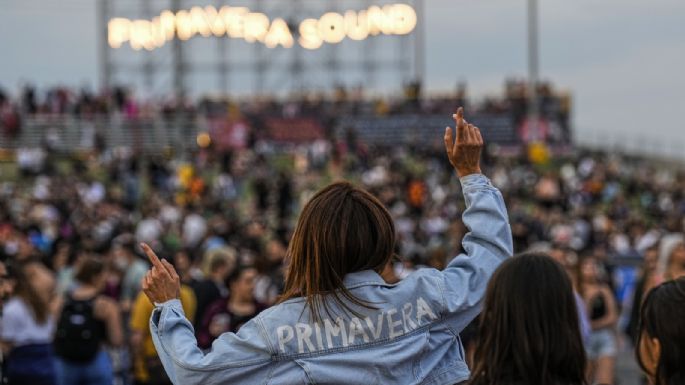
(580,284)
(342,229)
(529,332)
(28,293)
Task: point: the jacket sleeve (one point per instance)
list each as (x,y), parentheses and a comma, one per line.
(487,244)
(234,358)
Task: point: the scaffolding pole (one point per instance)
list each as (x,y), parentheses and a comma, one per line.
(102,10)
(533,68)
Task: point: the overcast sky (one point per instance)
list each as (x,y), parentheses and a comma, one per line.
(623,60)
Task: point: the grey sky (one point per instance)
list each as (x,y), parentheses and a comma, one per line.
(623,60)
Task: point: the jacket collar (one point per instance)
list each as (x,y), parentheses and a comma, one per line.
(364,277)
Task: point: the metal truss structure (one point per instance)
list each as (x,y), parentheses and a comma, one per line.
(227,67)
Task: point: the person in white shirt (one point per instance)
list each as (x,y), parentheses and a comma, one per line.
(28,325)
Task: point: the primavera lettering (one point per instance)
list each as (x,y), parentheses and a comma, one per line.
(392,322)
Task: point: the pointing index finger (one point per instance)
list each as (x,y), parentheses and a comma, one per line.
(460,123)
(459,115)
(152,256)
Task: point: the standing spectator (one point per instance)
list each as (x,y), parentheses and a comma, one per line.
(87,321)
(229,314)
(529,331)
(63,259)
(661,346)
(603,313)
(285,195)
(148,368)
(4,293)
(672,257)
(566,260)
(270,281)
(5,289)
(194,229)
(132,268)
(644,284)
(217,266)
(186,270)
(28,326)
(149,228)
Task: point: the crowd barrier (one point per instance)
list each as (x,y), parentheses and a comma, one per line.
(65,133)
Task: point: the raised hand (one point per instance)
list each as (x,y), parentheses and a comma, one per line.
(464,152)
(161,283)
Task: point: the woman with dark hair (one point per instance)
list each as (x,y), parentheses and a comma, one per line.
(660,349)
(88,320)
(646,282)
(27,327)
(229,314)
(529,331)
(338,321)
(602,310)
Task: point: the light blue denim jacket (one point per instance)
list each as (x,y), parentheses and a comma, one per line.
(410,337)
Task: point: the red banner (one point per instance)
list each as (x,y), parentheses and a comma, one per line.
(229,134)
(294,129)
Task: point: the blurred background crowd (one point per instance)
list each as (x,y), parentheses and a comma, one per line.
(84,102)
(222,211)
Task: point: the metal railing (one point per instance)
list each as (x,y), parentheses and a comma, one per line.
(65,133)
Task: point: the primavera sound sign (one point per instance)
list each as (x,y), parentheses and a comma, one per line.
(256,27)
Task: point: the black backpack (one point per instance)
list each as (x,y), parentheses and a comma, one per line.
(78,334)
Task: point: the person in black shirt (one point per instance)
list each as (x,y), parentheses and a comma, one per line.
(218,265)
(87,322)
(229,314)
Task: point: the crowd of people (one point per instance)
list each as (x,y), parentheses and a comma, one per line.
(124,103)
(70,234)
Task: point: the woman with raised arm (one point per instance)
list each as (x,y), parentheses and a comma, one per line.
(338,321)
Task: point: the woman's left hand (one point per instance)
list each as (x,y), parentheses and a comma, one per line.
(161,283)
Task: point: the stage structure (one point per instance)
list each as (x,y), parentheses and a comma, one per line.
(256,47)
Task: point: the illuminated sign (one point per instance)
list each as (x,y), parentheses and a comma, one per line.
(241,23)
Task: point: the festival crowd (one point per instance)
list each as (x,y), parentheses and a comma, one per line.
(70,229)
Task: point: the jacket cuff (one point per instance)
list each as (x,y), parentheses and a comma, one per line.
(474,181)
(174,303)
(156,321)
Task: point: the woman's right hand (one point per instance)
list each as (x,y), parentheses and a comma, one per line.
(464,152)
(161,283)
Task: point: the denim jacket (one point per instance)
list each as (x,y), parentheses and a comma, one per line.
(410,336)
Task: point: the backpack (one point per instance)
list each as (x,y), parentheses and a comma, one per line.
(79,334)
